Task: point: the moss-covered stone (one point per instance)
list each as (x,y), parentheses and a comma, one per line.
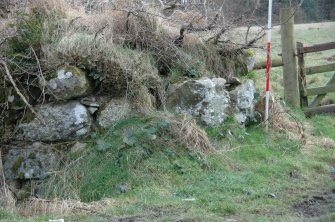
(34,161)
(249,52)
(67,83)
(15,167)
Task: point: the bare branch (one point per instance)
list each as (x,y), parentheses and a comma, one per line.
(9,76)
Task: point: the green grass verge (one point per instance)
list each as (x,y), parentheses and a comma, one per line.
(258,179)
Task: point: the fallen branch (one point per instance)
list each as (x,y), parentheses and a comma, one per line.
(222,31)
(190,28)
(251,43)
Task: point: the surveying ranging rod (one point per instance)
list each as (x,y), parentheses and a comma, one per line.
(268,67)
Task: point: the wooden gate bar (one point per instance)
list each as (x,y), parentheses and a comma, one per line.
(320,90)
(319,47)
(320,69)
(319,110)
(317,100)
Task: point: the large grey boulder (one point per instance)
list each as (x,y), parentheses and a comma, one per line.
(57,122)
(243,101)
(205,98)
(114,111)
(35,161)
(67,83)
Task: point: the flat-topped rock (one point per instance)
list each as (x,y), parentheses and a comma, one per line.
(57,122)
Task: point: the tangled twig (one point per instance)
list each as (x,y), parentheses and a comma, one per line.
(9,76)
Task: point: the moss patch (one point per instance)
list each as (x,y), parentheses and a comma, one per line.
(28,117)
(17,164)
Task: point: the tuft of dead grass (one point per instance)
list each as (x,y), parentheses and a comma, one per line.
(311,140)
(186,131)
(280,119)
(320,142)
(37,207)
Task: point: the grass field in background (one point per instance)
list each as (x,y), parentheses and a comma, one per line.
(308,34)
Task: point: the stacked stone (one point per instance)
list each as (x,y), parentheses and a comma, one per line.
(75,112)
(32,153)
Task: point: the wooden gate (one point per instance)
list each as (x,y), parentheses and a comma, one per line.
(320,92)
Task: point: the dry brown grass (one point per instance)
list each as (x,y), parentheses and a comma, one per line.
(281,119)
(37,207)
(310,140)
(319,142)
(123,72)
(121,46)
(192,135)
(7,200)
(284,121)
(185,130)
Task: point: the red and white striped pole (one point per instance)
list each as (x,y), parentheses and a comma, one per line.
(268,67)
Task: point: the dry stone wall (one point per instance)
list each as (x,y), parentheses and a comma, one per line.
(75,111)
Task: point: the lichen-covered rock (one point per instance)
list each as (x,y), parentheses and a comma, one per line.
(114,111)
(204,98)
(67,83)
(35,161)
(250,59)
(243,100)
(57,122)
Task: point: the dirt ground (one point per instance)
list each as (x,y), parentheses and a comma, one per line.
(319,204)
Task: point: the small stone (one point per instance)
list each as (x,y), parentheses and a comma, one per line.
(78,147)
(250,59)
(234,81)
(123,188)
(11,98)
(189,199)
(272,195)
(114,111)
(243,99)
(90,102)
(92,110)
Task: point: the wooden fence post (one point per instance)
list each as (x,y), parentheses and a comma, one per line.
(291,89)
(302,75)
